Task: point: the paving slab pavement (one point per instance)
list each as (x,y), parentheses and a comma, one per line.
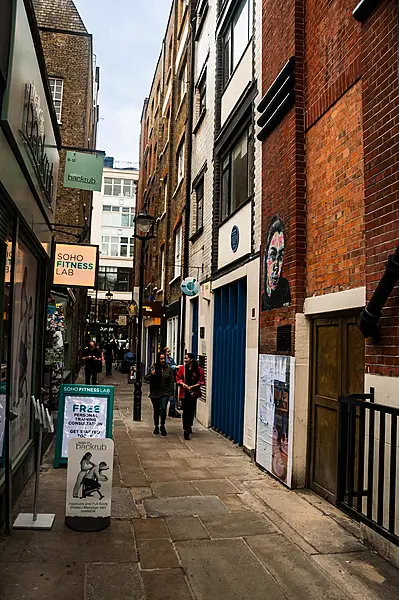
(192,520)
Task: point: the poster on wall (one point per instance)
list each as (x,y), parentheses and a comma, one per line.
(275,415)
(2,415)
(23,346)
(85,412)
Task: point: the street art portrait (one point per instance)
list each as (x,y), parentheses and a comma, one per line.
(276,289)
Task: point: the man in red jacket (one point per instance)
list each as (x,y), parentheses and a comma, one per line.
(190,377)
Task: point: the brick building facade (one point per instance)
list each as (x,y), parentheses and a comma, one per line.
(74,81)
(329,174)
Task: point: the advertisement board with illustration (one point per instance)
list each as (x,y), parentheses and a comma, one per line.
(89,478)
(85,412)
(275,415)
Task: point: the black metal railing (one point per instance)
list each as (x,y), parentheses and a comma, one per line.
(367,487)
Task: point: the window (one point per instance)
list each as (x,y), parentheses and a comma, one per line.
(177,267)
(115,245)
(162,267)
(119,187)
(165,194)
(117,216)
(117,279)
(199,194)
(202,94)
(236,38)
(127,216)
(237,174)
(173,325)
(182,82)
(180,162)
(56,87)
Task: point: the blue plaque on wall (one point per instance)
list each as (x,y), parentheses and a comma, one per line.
(235,238)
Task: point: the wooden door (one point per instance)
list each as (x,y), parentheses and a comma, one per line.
(337,369)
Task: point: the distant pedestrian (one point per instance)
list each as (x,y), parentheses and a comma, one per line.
(172,400)
(160,378)
(91,357)
(109,355)
(190,377)
(100,362)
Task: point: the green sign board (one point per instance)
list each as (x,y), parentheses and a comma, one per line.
(84,171)
(85,411)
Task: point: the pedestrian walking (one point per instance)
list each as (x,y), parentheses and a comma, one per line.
(160,378)
(91,357)
(109,355)
(190,377)
(101,362)
(172,400)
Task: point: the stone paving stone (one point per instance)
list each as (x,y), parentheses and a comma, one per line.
(233,503)
(139,493)
(193,474)
(174,488)
(153,455)
(226,569)
(186,453)
(361,575)
(215,486)
(113,581)
(129,461)
(137,479)
(115,544)
(305,579)
(186,528)
(176,507)
(237,525)
(317,529)
(166,463)
(169,584)
(122,505)
(150,529)
(243,473)
(55,581)
(233,461)
(160,475)
(157,554)
(199,463)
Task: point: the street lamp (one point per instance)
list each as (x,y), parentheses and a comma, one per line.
(143,224)
(109,295)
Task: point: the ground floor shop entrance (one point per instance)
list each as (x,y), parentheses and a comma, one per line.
(337,370)
(228,371)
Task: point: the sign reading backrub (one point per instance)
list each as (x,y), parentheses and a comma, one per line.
(75,265)
(84,171)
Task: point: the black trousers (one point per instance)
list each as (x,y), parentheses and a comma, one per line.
(91,374)
(189,403)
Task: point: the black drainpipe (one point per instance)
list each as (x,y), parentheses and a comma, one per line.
(189,144)
(371,315)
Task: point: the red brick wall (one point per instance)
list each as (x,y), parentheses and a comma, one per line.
(283,178)
(379,55)
(335,191)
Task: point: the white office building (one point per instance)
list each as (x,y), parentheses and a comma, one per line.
(112,230)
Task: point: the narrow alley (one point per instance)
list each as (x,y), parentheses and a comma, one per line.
(191,519)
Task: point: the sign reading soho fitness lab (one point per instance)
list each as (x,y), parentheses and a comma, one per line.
(85,412)
(84,171)
(75,265)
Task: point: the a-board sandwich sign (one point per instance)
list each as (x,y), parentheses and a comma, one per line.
(89,484)
(85,412)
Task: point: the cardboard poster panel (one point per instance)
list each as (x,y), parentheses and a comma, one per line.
(89,478)
(85,412)
(275,415)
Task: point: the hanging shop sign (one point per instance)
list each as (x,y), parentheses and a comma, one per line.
(89,484)
(84,171)
(85,412)
(152,309)
(190,286)
(75,265)
(122,319)
(275,415)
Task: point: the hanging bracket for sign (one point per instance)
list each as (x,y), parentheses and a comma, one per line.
(85,412)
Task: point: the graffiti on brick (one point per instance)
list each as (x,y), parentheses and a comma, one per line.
(276,289)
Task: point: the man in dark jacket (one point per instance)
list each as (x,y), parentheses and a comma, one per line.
(160,377)
(91,358)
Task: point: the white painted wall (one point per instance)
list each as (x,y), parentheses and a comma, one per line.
(242,219)
(237,84)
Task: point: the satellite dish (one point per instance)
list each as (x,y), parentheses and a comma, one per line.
(190,286)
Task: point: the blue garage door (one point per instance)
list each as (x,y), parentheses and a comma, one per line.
(228,369)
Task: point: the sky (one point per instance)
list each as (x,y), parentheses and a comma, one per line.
(127,37)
